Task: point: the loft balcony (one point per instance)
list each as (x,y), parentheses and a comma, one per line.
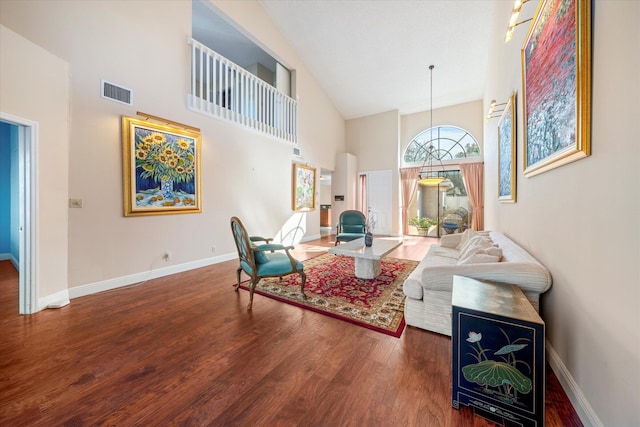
(222,89)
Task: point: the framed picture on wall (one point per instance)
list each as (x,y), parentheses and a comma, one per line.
(303,191)
(161,166)
(556,80)
(507,152)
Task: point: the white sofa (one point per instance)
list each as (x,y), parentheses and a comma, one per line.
(480,255)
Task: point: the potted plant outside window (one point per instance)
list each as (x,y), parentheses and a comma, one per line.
(422,224)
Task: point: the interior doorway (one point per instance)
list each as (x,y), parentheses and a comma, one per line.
(324,186)
(21,135)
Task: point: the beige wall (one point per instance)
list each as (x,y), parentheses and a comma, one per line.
(325,194)
(34,86)
(582,221)
(243,173)
(344,183)
(374,141)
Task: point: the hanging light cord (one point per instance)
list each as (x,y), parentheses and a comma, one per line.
(431,67)
(428,177)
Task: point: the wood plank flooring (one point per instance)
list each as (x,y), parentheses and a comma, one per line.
(183,350)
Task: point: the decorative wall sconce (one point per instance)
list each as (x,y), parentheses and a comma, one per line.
(513,21)
(492,110)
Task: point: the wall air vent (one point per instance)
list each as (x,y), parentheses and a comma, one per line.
(117,93)
(297,152)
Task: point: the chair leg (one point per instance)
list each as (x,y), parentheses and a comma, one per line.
(237,286)
(252,287)
(304,280)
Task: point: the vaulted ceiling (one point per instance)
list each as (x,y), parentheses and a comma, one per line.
(374,56)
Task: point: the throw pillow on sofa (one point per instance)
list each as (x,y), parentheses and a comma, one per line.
(481,256)
(464,239)
(474,244)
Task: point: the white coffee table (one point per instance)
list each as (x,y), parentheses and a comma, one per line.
(367,259)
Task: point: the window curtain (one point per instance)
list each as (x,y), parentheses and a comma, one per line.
(408,180)
(473,178)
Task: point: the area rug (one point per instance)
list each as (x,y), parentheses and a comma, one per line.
(332,289)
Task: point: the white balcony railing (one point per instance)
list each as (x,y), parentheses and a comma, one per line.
(222,89)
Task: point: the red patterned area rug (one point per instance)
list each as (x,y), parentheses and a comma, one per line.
(332,289)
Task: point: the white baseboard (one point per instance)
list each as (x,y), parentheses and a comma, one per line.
(309,238)
(575,395)
(59,298)
(118,282)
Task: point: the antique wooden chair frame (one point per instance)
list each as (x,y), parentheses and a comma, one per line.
(265,260)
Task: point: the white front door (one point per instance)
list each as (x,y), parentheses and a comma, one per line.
(376,194)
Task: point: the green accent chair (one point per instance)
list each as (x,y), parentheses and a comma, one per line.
(351,225)
(265,260)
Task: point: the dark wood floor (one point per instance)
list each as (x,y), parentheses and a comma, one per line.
(183,350)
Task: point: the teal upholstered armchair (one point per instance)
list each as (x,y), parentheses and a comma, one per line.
(351,225)
(265,260)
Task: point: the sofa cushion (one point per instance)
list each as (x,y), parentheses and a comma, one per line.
(443,252)
(439,256)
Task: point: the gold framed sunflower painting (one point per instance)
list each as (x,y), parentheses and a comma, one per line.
(161,166)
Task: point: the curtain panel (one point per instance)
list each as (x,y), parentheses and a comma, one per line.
(409,181)
(473,178)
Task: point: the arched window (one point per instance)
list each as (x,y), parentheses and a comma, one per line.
(446,205)
(449,143)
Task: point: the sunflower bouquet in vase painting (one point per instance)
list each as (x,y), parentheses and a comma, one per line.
(168,161)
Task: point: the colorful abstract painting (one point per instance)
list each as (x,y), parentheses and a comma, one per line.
(556,85)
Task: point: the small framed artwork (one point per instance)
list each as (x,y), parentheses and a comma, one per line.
(556,80)
(161,166)
(507,152)
(303,192)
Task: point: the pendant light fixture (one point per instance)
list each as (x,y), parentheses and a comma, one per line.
(427,175)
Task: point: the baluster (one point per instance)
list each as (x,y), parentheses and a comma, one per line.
(193,73)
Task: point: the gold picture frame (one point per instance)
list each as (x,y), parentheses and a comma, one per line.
(556,83)
(161,167)
(507,152)
(303,190)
